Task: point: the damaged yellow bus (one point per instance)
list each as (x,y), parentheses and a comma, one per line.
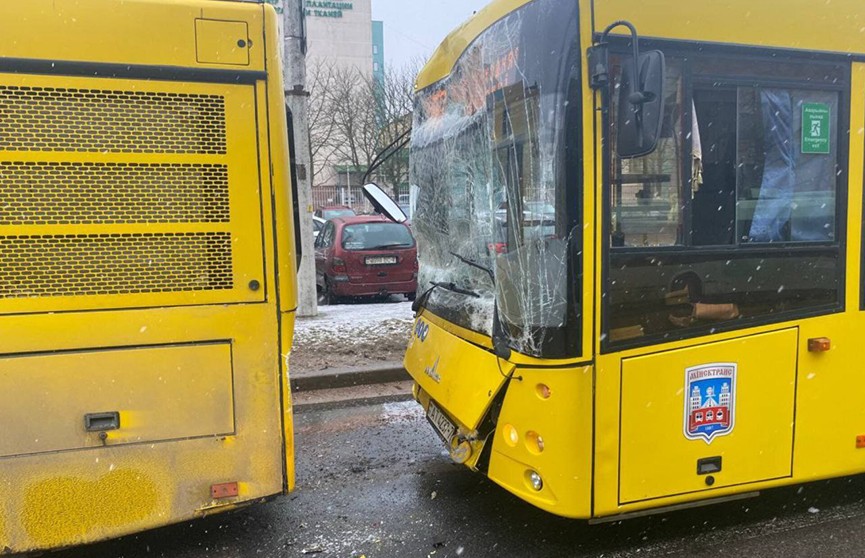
(640,243)
(148,266)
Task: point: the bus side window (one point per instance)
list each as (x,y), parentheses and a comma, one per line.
(752,171)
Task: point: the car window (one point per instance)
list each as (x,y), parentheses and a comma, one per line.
(375,236)
(326,235)
(332,213)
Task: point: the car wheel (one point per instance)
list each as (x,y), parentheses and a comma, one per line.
(410,296)
(326,296)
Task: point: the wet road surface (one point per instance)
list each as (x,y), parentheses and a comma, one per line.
(374,481)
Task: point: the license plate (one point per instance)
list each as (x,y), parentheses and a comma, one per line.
(381,260)
(445,428)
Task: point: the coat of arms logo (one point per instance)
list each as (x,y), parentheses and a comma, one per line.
(710,401)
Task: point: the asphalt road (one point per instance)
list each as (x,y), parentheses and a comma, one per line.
(373,481)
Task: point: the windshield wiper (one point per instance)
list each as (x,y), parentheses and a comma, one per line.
(475,265)
(499,336)
(450,286)
(421,299)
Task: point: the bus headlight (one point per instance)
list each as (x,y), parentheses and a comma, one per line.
(536,481)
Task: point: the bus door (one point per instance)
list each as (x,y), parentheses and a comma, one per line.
(715,248)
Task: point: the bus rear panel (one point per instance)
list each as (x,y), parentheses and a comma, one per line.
(143,181)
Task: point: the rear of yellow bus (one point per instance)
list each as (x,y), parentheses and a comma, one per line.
(607,333)
(148,289)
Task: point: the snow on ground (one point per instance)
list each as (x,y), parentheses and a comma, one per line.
(350,335)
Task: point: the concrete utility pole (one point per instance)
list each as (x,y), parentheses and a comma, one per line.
(296,99)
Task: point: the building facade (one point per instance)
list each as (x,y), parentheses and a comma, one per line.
(340,34)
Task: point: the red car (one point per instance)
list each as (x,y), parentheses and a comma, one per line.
(366,255)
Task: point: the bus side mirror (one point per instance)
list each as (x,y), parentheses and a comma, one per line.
(640,106)
(383,203)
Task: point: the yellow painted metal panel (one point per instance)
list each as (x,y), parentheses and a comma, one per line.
(110,32)
(160,394)
(34,508)
(451,48)
(472,337)
(828,419)
(120,198)
(657,459)
(796,24)
(222,42)
(462,378)
(281,213)
(564,423)
(278,168)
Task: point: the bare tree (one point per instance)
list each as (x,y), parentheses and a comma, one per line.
(353,118)
(321,125)
(395,98)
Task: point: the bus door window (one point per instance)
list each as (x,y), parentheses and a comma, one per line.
(646,191)
(732,220)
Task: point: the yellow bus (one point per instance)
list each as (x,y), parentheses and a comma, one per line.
(640,241)
(147,263)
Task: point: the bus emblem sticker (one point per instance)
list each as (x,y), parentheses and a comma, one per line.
(710,401)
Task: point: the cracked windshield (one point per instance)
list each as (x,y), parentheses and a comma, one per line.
(491,184)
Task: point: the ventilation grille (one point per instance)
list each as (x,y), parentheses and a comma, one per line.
(88,120)
(109,264)
(40,193)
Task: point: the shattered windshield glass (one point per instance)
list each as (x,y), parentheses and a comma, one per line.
(489,175)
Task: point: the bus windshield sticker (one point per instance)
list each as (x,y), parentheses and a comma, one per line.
(710,401)
(815,128)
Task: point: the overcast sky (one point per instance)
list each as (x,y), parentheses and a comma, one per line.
(413,28)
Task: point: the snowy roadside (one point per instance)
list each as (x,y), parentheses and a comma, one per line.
(350,335)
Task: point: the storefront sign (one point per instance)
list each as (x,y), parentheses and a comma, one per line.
(326,8)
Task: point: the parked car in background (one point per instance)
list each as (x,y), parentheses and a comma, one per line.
(317,225)
(365,255)
(331,211)
(538,222)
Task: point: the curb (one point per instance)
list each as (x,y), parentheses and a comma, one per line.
(346,377)
(330,405)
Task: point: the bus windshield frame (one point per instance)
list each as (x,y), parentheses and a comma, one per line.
(489,150)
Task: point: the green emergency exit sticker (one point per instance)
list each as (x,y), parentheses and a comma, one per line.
(815,128)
